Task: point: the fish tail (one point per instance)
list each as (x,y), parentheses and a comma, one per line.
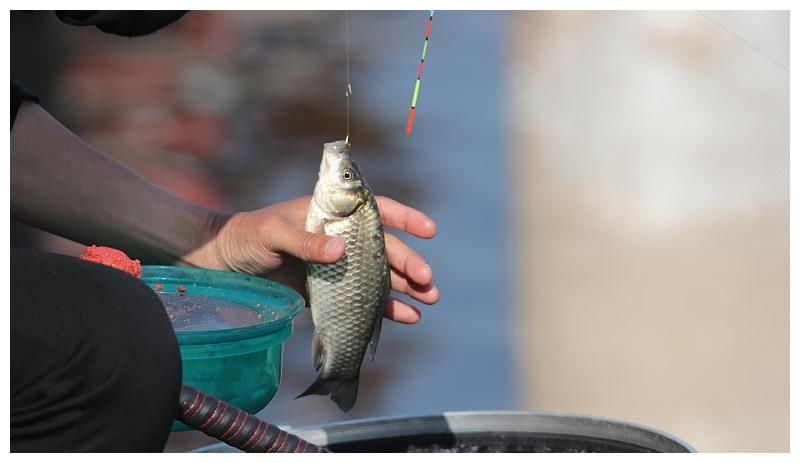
(342,392)
(320,386)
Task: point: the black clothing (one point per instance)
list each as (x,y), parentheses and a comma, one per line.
(95,364)
(126,23)
(18,95)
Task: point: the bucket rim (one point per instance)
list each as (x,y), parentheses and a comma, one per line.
(466,422)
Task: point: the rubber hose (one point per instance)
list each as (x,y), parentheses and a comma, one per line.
(236,427)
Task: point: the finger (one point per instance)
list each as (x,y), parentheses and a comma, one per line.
(427,294)
(296,209)
(407,262)
(401,312)
(407,219)
(309,247)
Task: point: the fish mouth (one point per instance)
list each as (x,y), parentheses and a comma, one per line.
(333,155)
(336,148)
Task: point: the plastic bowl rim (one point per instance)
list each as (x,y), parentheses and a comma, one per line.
(295,305)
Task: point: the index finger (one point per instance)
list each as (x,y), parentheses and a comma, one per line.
(405,218)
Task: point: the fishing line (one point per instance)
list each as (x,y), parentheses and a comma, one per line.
(410,122)
(743,40)
(349,89)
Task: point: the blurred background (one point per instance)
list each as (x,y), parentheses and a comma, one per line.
(611,191)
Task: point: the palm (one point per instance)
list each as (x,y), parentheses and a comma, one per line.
(262,246)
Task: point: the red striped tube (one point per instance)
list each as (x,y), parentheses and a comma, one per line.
(236,427)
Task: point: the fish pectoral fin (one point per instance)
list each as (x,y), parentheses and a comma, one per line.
(376,331)
(376,336)
(317,352)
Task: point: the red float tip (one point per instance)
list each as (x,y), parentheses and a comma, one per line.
(410,122)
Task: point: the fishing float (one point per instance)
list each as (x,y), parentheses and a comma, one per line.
(410,122)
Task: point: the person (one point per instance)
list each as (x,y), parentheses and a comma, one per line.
(95,364)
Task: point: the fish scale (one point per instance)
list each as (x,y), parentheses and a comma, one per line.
(344,286)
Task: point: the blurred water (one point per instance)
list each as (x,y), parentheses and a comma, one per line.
(458,148)
(459,356)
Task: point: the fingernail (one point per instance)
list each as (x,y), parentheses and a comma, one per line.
(335,247)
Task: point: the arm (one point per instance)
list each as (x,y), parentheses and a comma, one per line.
(61,184)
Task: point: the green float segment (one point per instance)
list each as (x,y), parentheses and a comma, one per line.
(410,122)
(414,98)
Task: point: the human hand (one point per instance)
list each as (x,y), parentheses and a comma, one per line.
(272,242)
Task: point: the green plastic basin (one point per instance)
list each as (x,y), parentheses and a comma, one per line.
(230,327)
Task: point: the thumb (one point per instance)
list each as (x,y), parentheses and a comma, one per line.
(310,247)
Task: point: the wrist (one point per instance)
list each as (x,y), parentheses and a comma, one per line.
(207,249)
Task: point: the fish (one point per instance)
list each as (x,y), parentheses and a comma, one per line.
(347,298)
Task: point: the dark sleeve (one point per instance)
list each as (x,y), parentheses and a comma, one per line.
(18,95)
(126,23)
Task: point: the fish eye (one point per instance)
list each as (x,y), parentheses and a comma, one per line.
(348,174)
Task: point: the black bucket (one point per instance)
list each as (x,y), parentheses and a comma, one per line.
(471,432)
